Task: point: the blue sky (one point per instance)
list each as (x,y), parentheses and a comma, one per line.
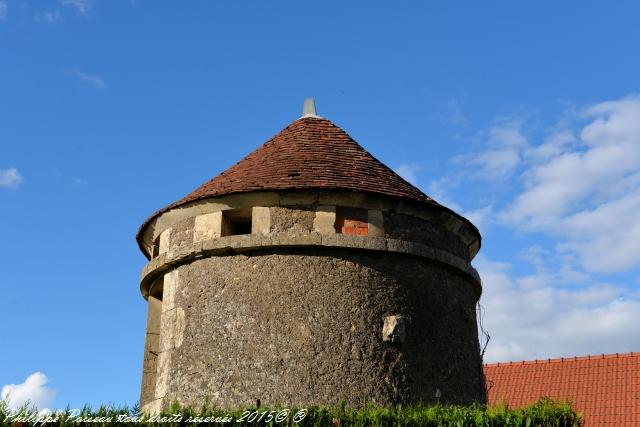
(523,117)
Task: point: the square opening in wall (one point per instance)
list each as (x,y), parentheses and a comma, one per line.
(236,221)
(352,221)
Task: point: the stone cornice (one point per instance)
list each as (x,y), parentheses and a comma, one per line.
(222,246)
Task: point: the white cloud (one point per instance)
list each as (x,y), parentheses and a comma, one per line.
(50,18)
(3,9)
(580,185)
(532,317)
(97,81)
(607,238)
(408,171)
(10,178)
(575,195)
(552,146)
(502,155)
(32,391)
(82,7)
(586,191)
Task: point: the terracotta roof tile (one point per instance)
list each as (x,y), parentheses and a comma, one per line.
(606,388)
(309,153)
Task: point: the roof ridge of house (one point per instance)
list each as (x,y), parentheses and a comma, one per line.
(563,359)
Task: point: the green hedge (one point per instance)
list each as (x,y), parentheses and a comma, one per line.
(544,413)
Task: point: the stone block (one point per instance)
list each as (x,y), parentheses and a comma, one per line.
(168,331)
(154,308)
(373,243)
(207,226)
(164,241)
(179,252)
(180,324)
(325,219)
(393,329)
(151,346)
(402,246)
(291,239)
(181,233)
(338,240)
(357,242)
(169,290)
(260,220)
(241,241)
(376,223)
(213,245)
(164,371)
(424,251)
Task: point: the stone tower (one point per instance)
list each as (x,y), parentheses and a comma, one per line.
(309,273)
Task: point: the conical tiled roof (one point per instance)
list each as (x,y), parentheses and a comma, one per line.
(310,153)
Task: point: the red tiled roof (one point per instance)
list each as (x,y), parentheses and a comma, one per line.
(606,388)
(310,153)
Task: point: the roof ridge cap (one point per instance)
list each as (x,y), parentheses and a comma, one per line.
(565,359)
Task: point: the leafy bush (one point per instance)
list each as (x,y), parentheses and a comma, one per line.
(544,413)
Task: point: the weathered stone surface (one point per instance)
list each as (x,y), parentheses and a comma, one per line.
(154,309)
(207,226)
(295,313)
(402,246)
(409,228)
(181,234)
(166,371)
(303,326)
(325,219)
(168,330)
(393,329)
(243,243)
(151,346)
(341,240)
(371,243)
(376,223)
(342,198)
(293,220)
(152,407)
(169,291)
(298,198)
(164,241)
(260,220)
(289,239)
(179,327)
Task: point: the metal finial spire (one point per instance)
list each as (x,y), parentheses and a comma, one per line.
(309,108)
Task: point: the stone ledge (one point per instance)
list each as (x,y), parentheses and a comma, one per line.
(222,246)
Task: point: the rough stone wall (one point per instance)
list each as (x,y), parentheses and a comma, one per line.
(275,318)
(405,227)
(292,219)
(304,326)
